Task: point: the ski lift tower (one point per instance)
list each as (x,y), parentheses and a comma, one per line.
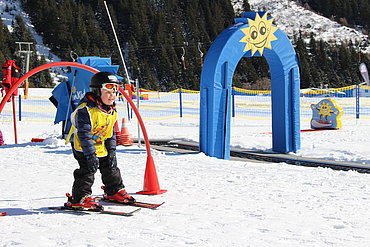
(25,48)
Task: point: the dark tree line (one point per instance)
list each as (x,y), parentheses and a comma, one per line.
(163,41)
(333,66)
(347,12)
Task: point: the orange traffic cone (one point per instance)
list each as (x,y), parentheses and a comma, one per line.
(151,185)
(126,138)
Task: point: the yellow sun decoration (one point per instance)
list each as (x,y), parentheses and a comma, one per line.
(325,109)
(259,34)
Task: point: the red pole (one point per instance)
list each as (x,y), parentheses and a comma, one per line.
(14,121)
(40,68)
(151,184)
(141,122)
(152,187)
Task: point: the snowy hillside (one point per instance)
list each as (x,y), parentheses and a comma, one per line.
(289,16)
(292,18)
(9,17)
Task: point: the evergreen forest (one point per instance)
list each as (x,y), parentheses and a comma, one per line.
(352,13)
(164,42)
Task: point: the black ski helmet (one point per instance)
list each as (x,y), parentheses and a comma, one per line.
(100,78)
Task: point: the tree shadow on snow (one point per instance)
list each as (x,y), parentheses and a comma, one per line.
(131,150)
(60,151)
(33,199)
(22,145)
(39,144)
(35,211)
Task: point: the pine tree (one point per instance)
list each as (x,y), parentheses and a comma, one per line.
(6,45)
(304,64)
(246,6)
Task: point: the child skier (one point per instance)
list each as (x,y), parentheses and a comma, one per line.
(94,144)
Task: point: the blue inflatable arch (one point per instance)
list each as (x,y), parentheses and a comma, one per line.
(252,35)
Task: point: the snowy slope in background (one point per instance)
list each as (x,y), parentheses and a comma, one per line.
(9,17)
(289,16)
(292,18)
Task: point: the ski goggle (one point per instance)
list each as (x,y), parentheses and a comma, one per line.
(110,86)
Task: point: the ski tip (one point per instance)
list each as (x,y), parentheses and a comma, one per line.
(120,213)
(2,213)
(148,205)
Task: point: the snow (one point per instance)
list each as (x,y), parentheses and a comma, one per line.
(210,202)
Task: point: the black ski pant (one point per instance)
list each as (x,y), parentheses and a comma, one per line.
(84,179)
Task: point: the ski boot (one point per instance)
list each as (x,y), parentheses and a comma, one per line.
(86,202)
(121,196)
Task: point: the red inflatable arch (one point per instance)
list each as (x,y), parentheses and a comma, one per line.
(151,185)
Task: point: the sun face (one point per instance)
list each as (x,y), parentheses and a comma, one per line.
(259,34)
(325,109)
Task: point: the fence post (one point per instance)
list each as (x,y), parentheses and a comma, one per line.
(233,102)
(20,108)
(357,101)
(138,107)
(180,96)
(128,112)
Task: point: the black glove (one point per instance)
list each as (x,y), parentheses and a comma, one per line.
(92,162)
(112,158)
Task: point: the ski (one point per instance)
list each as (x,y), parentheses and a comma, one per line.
(135,204)
(82,210)
(147,205)
(2,213)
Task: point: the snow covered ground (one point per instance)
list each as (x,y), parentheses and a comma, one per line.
(210,202)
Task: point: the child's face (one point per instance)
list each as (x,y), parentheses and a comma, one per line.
(108,96)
